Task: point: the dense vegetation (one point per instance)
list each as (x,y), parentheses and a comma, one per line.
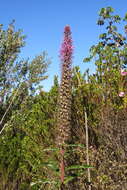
(34,146)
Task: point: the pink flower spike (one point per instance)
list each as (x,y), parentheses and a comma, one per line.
(66,50)
(121,94)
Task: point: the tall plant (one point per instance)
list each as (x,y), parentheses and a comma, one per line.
(64,104)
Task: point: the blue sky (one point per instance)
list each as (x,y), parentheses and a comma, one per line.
(43,22)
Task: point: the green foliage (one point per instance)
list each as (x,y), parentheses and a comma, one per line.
(110,54)
(16,164)
(11,42)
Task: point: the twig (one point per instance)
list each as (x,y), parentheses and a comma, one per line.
(87,150)
(8,110)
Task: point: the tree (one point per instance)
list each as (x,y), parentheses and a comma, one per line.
(20,81)
(18,78)
(110,54)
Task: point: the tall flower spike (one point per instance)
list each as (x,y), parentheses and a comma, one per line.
(64,103)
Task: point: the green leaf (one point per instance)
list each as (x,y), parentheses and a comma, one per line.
(76,145)
(102,36)
(51,149)
(117,18)
(87,59)
(79,167)
(110,9)
(125,18)
(102,11)
(69,178)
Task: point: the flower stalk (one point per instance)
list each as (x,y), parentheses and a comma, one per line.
(64,103)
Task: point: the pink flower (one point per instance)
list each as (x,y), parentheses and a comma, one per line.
(123,73)
(121,94)
(67,47)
